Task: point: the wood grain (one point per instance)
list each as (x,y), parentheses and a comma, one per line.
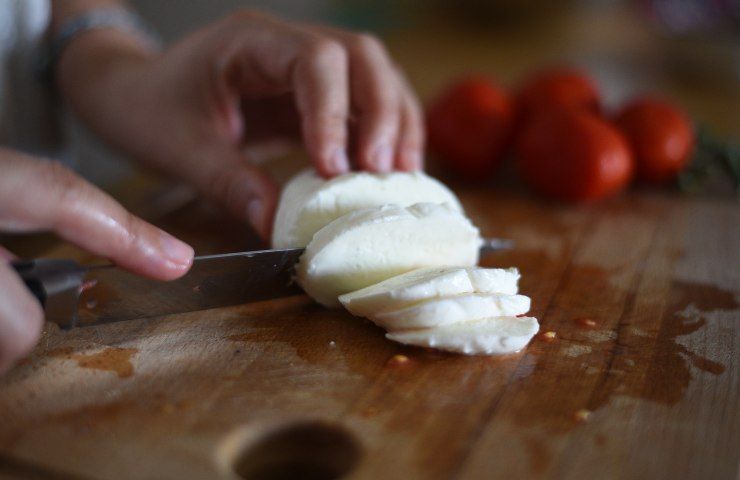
(640,380)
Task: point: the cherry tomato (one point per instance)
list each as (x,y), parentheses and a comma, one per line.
(573,155)
(469,127)
(661,137)
(558,87)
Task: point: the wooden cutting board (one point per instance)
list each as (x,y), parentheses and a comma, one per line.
(634,376)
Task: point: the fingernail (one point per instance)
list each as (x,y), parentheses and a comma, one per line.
(339,161)
(382,159)
(179,253)
(412,159)
(256,213)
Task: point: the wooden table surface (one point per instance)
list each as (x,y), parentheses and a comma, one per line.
(642,294)
(648,389)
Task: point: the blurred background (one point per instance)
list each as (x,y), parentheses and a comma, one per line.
(685,50)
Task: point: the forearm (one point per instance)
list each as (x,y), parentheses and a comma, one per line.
(95,65)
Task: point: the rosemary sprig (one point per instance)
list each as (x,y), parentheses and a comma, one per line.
(713,158)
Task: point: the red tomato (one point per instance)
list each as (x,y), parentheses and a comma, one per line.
(557,88)
(661,137)
(469,127)
(573,155)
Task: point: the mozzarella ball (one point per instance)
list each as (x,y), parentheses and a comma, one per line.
(309,202)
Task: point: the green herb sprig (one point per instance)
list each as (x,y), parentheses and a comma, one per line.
(713,158)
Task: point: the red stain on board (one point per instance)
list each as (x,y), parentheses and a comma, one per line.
(112,359)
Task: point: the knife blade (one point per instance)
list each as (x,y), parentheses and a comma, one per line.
(77,295)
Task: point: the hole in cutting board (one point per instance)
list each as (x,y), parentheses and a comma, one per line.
(309,451)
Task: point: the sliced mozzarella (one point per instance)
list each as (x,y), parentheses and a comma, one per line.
(426,283)
(494,280)
(488,336)
(410,287)
(447,310)
(371,245)
(309,202)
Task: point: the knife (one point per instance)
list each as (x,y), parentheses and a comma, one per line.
(76,295)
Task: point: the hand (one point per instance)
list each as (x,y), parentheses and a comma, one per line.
(42,195)
(191,110)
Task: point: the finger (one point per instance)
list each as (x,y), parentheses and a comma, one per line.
(40,195)
(247,192)
(410,147)
(278,57)
(6,255)
(21,318)
(376,99)
(321,88)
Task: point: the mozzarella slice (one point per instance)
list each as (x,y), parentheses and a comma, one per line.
(309,202)
(488,336)
(494,280)
(447,310)
(371,245)
(426,283)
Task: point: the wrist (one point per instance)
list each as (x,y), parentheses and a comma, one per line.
(90,21)
(97,75)
(86,48)
(89,41)
(91,59)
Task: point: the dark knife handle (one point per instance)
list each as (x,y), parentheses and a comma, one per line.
(56,284)
(25,270)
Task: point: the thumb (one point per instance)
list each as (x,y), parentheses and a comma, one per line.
(244,190)
(21,318)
